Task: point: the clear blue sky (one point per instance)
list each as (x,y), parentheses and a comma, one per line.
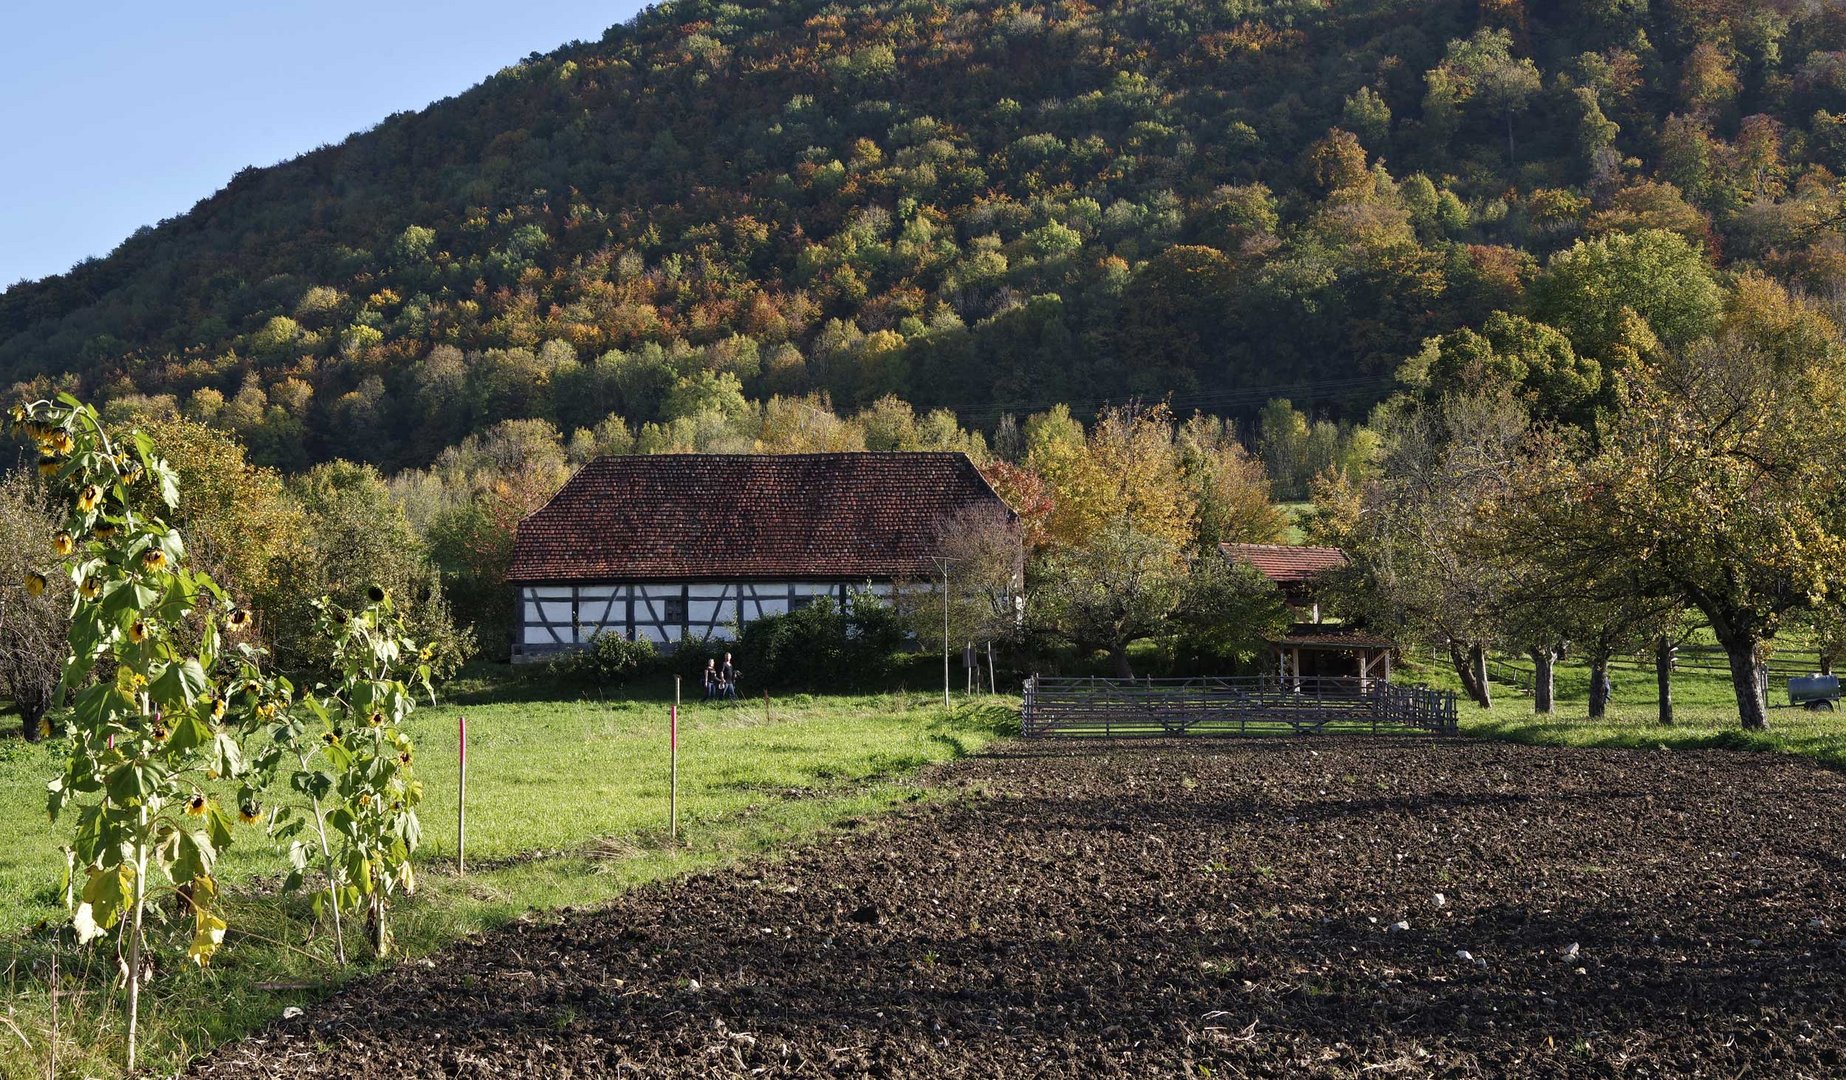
(114,114)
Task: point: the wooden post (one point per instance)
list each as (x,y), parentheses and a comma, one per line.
(461,795)
(765,706)
(673,767)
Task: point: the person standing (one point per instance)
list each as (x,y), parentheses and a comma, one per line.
(727,678)
(711,678)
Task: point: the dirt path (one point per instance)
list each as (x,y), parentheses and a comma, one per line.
(1331,907)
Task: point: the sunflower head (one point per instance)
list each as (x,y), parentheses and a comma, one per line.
(137,631)
(195,805)
(330,738)
(63,544)
(154,559)
(403,757)
(377,718)
(238,619)
(218,708)
(375,594)
(89,497)
(35,583)
(159,730)
(89,588)
(105,530)
(48,465)
(59,442)
(249,813)
(17,413)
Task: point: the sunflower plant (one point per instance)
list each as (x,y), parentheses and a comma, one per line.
(151,731)
(355,765)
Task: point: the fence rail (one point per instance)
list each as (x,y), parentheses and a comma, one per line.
(1264,705)
(1687,659)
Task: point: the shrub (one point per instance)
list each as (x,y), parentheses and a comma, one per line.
(820,648)
(610,660)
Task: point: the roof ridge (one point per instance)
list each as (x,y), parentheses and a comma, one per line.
(754,456)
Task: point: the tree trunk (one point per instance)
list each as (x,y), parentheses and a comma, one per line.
(1119,655)
(1746,681)
(31,727)
(1477,659)
(1465,671)
(1826,663)
(1599,689)
(1663,675)
(1544,695)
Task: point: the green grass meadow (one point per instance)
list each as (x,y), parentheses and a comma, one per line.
(567,806)
(1705,714)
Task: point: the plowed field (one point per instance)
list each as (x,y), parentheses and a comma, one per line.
(1307,907)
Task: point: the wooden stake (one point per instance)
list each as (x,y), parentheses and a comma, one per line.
(765,706)
(673,774)
(51,1070)
(461,795)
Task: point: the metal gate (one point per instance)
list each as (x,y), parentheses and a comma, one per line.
(1264,705)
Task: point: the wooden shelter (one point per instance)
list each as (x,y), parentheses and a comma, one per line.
(1312,652)
(674,547)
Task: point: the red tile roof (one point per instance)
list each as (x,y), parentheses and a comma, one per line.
(1286,564)
(679,517)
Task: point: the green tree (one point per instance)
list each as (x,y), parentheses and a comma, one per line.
(1119,587)
(356,539)
(1715,485)
(1657,275)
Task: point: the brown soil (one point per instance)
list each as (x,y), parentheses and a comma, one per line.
(1327,907)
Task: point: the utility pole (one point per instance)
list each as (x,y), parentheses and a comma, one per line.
(945,634)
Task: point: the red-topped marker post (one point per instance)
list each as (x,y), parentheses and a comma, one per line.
(461,795)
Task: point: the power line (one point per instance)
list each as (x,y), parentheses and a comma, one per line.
(1297,392)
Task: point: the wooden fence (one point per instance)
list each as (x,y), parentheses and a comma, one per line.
(1264,705)
(1688,659)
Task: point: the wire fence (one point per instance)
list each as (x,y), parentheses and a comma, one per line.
(1263,705)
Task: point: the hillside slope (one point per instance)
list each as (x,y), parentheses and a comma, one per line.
(988,206)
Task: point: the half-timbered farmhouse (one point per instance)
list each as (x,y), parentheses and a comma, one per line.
(675,547)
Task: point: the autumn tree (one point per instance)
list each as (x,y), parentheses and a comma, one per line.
(1125,469)
(1715,485)
(1407,533)
(986,582)
(34,604)
(1229,485)
(240,519)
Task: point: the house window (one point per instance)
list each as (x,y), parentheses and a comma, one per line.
(799,602)
(673,611)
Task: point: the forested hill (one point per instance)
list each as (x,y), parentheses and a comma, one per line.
(983,205)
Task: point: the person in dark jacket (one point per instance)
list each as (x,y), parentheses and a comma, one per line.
(727,678)
(711,679)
